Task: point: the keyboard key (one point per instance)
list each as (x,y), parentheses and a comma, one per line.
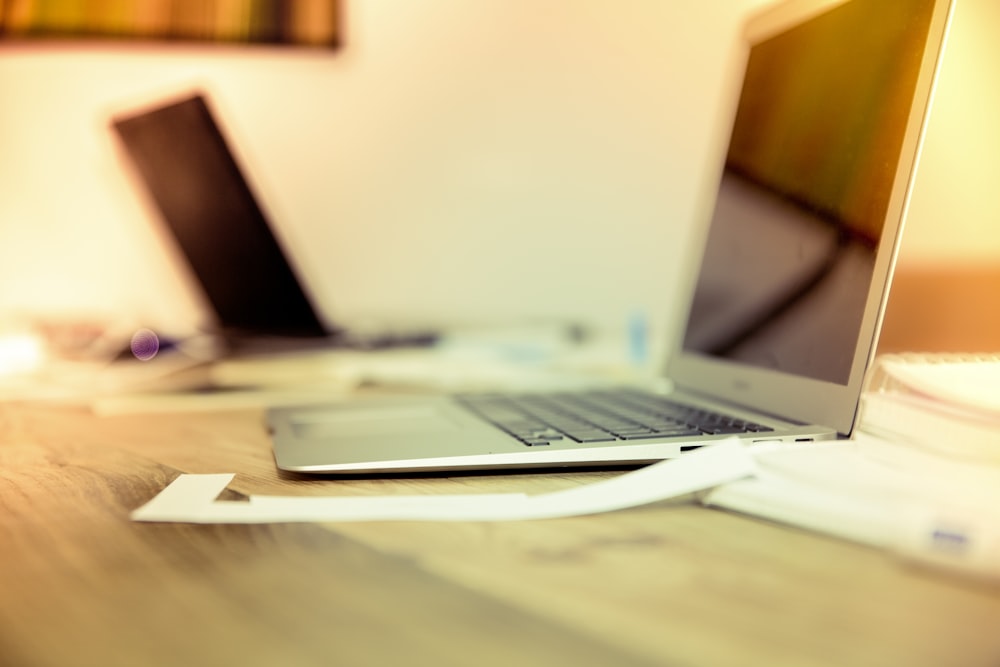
(594,436)
(647,436)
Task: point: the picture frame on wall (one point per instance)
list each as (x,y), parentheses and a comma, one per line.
(293,23)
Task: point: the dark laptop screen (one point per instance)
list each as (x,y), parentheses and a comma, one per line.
(805,189)
(194,180)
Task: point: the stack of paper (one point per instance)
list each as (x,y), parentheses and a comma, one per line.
(943,404)
(920,476)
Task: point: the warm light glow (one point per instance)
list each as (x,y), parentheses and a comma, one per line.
(20,354)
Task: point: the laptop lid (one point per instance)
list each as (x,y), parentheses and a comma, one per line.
(785,309)
(189,171)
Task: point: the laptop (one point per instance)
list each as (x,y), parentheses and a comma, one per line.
(186,166)
(784,306)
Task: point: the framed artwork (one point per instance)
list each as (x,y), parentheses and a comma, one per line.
(299,23)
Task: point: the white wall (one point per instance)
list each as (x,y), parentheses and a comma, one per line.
(955,207)
(455,161)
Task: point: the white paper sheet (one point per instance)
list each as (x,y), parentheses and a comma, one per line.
(776,483)
(192,498)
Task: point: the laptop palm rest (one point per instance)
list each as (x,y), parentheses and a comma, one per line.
(373,421)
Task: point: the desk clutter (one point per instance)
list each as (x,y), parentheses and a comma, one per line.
(924,494)
(193,498)
(942,404)
(95,365)
(920,475)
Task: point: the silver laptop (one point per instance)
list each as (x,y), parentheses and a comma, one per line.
(784,307)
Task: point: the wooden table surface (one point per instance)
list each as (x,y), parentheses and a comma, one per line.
(665,584)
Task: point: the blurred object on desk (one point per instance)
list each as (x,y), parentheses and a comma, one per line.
(526,358)
(944,404)
(484,358)
(20,353)
(34,350)
(73,357)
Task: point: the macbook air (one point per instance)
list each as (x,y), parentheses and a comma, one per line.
(784,306)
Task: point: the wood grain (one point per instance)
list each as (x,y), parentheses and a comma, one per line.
(84,586)
(670,583)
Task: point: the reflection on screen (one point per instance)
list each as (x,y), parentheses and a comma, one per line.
(805,189)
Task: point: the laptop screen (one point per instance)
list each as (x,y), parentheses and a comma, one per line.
(805,224)
(805,191)
(186,165)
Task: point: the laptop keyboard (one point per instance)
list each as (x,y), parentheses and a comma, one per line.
(600,416)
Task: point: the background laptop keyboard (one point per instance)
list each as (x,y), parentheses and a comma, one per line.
(599,416)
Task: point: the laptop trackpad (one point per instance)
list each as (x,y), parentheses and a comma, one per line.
(372,421)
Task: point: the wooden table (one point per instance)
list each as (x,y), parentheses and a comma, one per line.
(667,584)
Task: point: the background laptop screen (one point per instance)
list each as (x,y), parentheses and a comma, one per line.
(805,189)
(192,176)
